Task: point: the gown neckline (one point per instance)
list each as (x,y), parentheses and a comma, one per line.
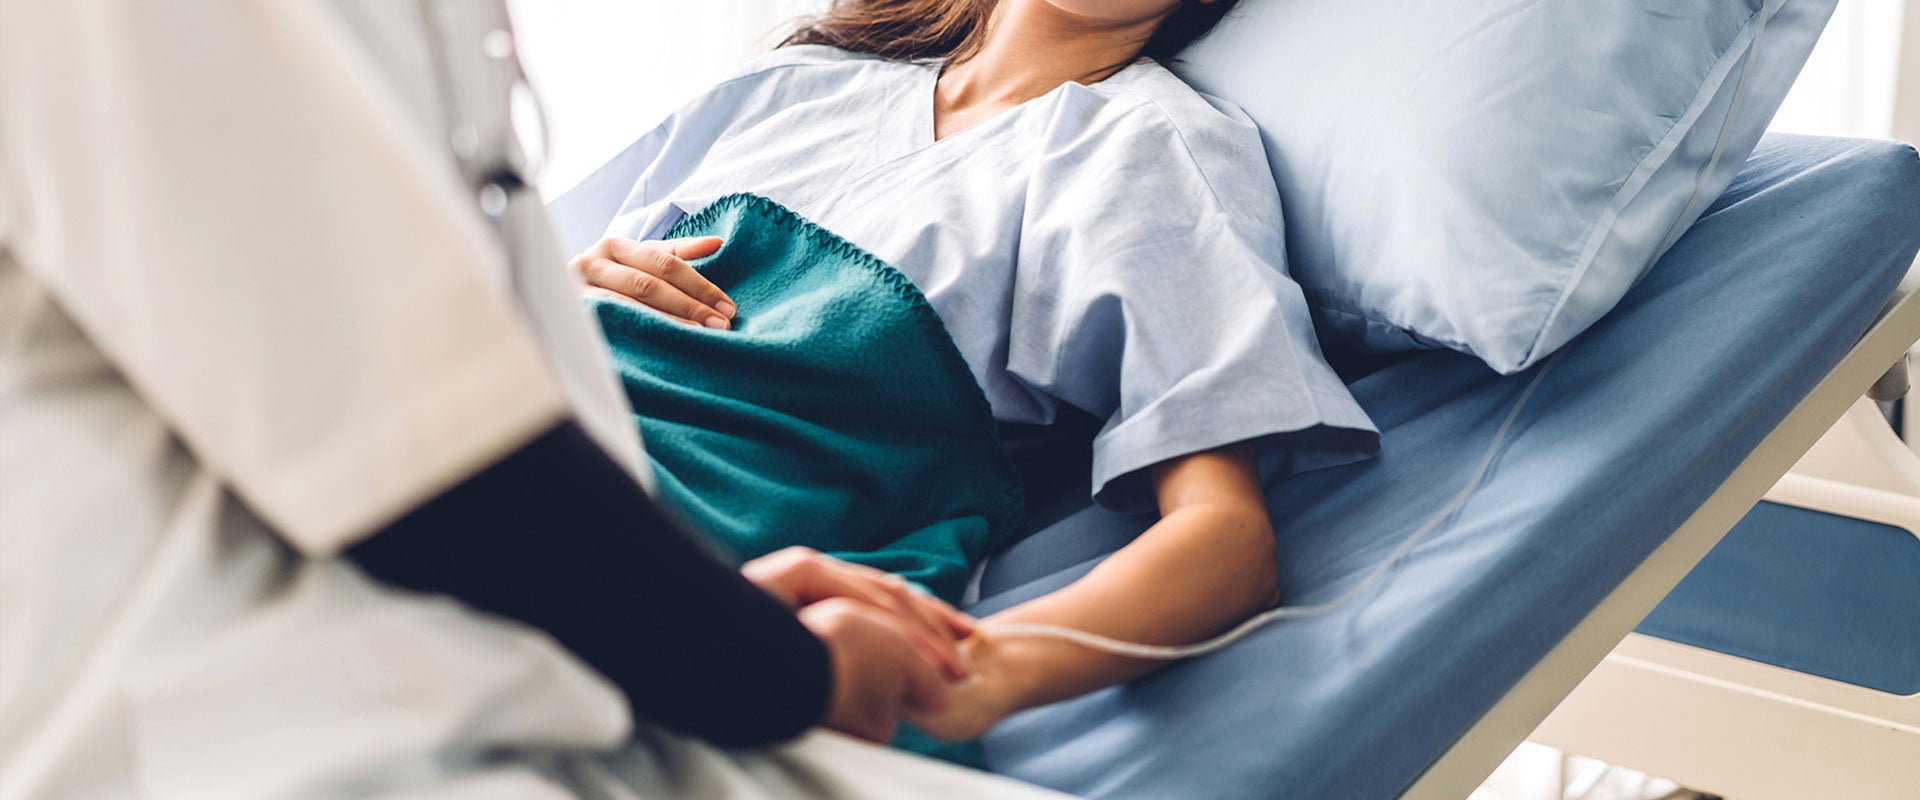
(922,99)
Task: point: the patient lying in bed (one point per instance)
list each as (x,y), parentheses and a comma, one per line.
(1071,226)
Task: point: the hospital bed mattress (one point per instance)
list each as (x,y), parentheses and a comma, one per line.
(1635,424)
(1812,592)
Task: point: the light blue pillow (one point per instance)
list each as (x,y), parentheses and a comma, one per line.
(1492,175)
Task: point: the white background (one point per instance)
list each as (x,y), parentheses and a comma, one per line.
(609,70)
(1847,88)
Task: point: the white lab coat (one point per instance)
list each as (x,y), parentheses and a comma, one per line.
(249,313)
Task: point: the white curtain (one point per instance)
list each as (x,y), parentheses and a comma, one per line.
(1848,87)
(607,71)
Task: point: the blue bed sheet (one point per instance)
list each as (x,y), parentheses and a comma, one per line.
(1638,422)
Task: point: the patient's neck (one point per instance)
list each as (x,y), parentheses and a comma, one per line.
(1030,49)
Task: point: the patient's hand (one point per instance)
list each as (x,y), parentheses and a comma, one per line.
(801,576)
(893,648)
(980,702)
(656,275)
(878,675)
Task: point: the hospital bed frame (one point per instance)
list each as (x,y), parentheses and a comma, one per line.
(1707,720)
(1751,730)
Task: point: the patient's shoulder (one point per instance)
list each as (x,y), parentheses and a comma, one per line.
(797,74)
(804,58)
(1144,110)
(1147,95)
(1147,79)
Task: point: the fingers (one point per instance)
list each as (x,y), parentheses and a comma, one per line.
(920,606)
(821,576)
(877,674)
(603,294)
(780,574)
(695,247)
(859,704)
(652,291)
(800,577)
(962,623)
(667,261)
(656,275)
(825,577)
(925,686)
(935,611)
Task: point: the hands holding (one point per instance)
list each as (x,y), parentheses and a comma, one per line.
(896,651)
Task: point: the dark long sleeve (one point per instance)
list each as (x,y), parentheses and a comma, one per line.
(559,537)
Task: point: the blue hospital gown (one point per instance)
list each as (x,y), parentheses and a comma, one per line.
(1113,247)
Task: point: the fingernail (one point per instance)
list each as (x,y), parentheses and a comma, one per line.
(726,309)
(716,323)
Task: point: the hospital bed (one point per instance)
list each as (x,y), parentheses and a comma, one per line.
(1643,443)
(1787,664)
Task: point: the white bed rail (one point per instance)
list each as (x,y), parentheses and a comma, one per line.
(1739,728)
(1554,678)
(1749,730)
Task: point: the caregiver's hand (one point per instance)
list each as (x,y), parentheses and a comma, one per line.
(655,274)
(878,675)
(801,577)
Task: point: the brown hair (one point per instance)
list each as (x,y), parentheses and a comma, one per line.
(951,30)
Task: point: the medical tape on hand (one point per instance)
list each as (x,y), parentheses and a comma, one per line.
(1107,644)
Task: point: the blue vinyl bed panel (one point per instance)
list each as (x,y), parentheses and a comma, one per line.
(1817,593)
(1638,421)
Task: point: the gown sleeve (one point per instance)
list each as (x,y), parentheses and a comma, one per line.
(1152,291)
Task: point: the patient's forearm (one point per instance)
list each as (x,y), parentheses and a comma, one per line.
(1205,566)
(1200,570)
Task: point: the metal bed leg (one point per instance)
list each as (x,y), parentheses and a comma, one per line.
(1892,385)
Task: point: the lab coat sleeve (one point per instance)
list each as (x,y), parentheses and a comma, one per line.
(224,196)
(555,535)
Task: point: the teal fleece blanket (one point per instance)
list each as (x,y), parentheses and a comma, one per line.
(836,413)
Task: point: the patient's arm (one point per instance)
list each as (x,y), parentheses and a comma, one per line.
(1205,566)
